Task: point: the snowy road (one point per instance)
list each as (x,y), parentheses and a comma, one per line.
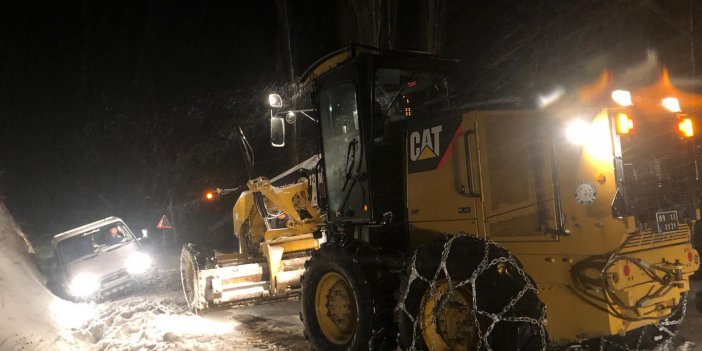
(159,321)
(153,318)
(156,318)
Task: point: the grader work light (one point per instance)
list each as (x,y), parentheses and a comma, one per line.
(671,104)
(622,97)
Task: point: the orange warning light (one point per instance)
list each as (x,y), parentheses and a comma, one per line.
(624,123)
(209,195)
(686,127)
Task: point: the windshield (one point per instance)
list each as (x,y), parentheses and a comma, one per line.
(402,92)
(93,242)
(339,119)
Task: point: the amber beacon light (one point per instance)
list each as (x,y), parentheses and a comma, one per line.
(686,127)
(625,124)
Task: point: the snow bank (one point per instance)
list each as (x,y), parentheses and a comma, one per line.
(27,308)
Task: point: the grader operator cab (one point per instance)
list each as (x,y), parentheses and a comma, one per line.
(468,227)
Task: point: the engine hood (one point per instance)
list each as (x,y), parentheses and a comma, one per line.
(104,263)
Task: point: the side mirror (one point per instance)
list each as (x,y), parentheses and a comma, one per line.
(277,131)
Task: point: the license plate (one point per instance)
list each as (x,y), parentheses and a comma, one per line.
(667,221)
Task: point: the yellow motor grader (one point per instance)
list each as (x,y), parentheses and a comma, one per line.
(491,227)
(481,226)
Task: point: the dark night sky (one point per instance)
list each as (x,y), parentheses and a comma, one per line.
(89,89)
(120,107)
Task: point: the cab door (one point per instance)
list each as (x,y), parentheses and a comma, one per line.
(344,152)
(442,188)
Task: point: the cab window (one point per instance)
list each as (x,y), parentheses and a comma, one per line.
(403,92)
(339,115)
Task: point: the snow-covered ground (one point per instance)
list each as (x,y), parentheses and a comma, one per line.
(155,317)
(159,322)
(152,318)
(691,328)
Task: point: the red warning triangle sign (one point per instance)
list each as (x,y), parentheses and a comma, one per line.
(164,223)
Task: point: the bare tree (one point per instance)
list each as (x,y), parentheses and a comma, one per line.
(434,18)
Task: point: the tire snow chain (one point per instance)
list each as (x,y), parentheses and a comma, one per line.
(484,265)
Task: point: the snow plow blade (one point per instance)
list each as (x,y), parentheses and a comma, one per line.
(227,280)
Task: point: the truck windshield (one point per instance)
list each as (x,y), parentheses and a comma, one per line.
(402,92)
(94,242)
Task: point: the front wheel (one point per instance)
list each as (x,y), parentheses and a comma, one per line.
(347,299)
(465,293)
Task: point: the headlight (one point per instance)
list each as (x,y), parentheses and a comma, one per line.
(84,285)
(578,132)
(138,263)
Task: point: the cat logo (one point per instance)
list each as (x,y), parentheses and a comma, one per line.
(425,145)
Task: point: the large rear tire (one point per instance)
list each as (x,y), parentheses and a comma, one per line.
(347,299)
(465,293)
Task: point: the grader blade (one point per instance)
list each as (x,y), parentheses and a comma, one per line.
(229,280)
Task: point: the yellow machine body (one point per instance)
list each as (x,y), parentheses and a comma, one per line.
(604,261)
(504,176)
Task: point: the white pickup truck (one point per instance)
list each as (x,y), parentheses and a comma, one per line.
(98,259)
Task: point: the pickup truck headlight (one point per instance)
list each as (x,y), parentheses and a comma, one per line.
(84,285)
(138,263)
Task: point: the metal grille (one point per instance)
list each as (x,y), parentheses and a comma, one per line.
(114,276)
(649,239)
(659,172)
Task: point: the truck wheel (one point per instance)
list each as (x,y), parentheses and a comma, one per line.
(465,293)
(347,299)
